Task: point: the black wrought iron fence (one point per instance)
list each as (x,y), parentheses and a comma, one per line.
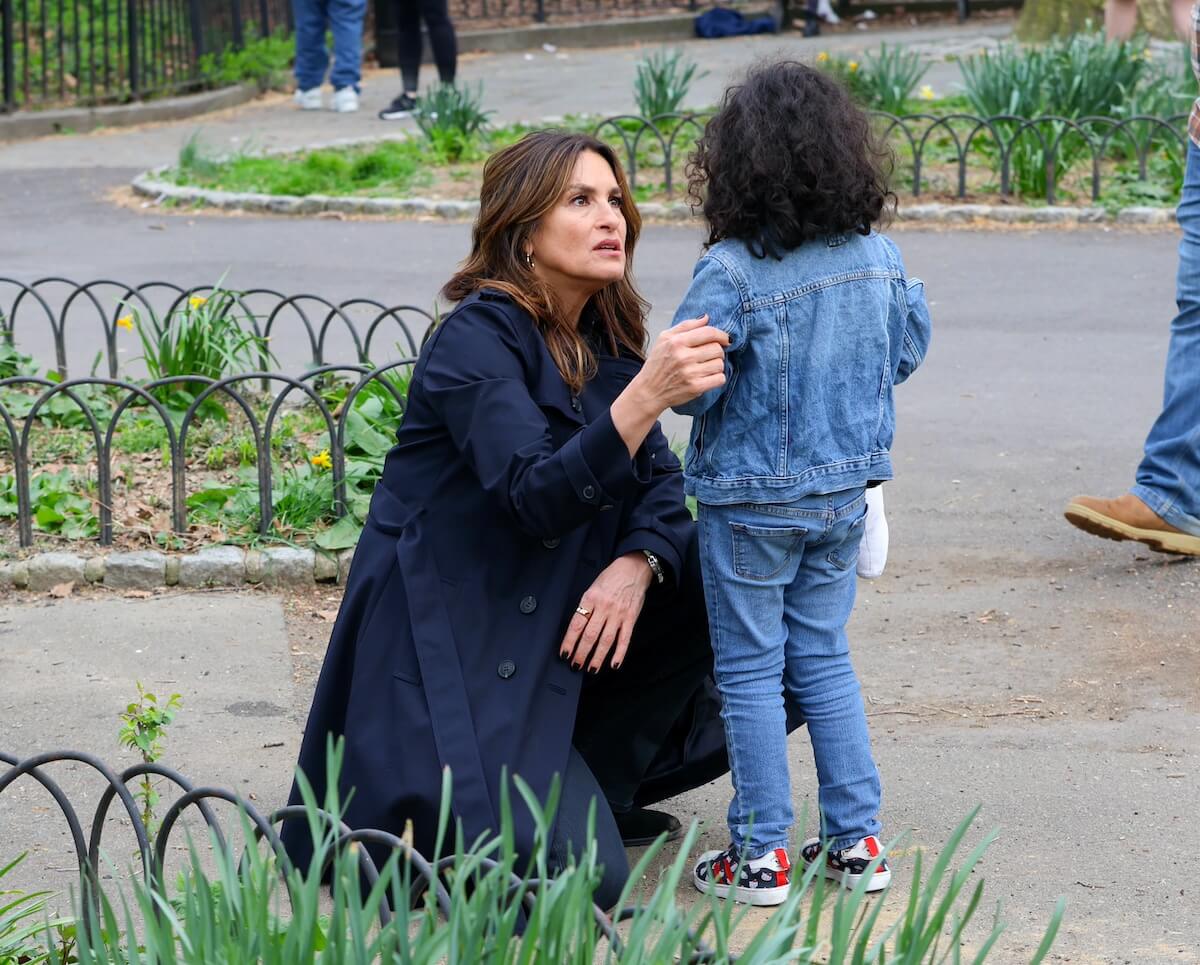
(954,154)
(94,51)
(260,395)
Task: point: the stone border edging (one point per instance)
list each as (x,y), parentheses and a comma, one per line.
(80,120)
(213,566)
(148,185)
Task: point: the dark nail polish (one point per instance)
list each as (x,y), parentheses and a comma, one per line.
(617,665)
(564,655)
(592,670)
(576,666)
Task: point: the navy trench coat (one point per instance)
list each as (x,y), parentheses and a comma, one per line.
(504,498)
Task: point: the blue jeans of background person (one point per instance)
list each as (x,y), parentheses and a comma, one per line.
(344,19)
(779,581)
(1168,480)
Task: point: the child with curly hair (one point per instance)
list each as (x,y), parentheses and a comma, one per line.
(822,323)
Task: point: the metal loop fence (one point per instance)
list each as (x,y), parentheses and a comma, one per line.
(950,154)
(259,395)
(153,845)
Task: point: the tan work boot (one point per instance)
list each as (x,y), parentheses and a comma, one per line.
(1127,517)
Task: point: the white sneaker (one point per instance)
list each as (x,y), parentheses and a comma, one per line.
(345,100)
(849,866)
(873,551)
(825,12)
(760,881)
(309,100)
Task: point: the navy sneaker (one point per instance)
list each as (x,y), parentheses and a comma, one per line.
(401,106)
(850,864)
(760,881)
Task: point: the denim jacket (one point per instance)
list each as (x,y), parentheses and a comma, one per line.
(816,342)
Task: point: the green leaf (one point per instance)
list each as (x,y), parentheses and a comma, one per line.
(341,535)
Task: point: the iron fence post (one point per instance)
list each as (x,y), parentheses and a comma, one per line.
(264,19)
(135,66)
(539,15)
(197,27)
(235,10)
(8,49)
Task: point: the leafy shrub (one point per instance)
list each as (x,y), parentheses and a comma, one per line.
(889,77)
(202,336)
(453,120)
(57,506)
(265,61)
(1082,76)
(663,81)
(13,362)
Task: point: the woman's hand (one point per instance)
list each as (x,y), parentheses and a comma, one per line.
(684,362)
(614,602)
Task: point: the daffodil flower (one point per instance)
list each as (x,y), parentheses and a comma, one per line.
(853,65)
(196,301)
(125,322)
(926,93)
(822,57)
(322,460)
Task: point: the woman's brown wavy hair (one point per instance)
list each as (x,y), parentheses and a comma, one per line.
(521,184)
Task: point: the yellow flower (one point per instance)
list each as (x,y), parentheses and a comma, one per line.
(125,322)
(322,460)
(196,301)
(853,65)
(926,93)
(822,57)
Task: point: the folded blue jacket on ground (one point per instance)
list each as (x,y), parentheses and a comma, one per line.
(723,22)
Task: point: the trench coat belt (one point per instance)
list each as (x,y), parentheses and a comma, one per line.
(444,686)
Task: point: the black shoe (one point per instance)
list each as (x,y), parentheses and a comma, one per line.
(402,106)
(641,826)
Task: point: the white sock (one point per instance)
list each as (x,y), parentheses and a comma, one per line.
(872,553)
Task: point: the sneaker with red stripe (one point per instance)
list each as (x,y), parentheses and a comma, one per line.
(760,881)
(850,864)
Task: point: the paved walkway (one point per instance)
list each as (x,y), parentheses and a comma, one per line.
(1007,659)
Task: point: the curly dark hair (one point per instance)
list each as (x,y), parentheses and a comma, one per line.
(787,158)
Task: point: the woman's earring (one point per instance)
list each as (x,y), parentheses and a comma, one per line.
(529,260)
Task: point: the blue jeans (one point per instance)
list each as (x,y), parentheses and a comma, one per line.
(1168,480)
(344,18)
(779,581)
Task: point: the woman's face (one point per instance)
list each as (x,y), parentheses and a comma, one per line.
(579,245)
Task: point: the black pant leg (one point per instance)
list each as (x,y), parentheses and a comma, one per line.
(441,38)
(579,790)
(408,42)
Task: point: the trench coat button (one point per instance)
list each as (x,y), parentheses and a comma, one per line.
(576,404)
(551,544)
(506,669)
(589,492)
(529,604)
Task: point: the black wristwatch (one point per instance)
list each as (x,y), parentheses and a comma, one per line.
(655,565)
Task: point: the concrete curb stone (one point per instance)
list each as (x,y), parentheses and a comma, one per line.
(142,570)
(211,566)
(50,569)
(149,185)
(287,566)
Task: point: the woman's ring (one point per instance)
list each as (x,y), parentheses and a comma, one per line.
(583,611)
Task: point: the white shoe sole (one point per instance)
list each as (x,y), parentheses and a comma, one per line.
(748,896)
(879,880)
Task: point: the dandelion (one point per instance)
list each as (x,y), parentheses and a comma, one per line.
(822,57)
(853,66)
(926,93)
(125,322)
(322,460)
(196,301)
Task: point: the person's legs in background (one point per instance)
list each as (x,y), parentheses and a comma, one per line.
(1168,480)
(409,14)
(346,24)
(441,39)
(1163,509)
(312,59)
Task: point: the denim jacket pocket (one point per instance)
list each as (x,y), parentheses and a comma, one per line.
(845,554)
(766,553)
